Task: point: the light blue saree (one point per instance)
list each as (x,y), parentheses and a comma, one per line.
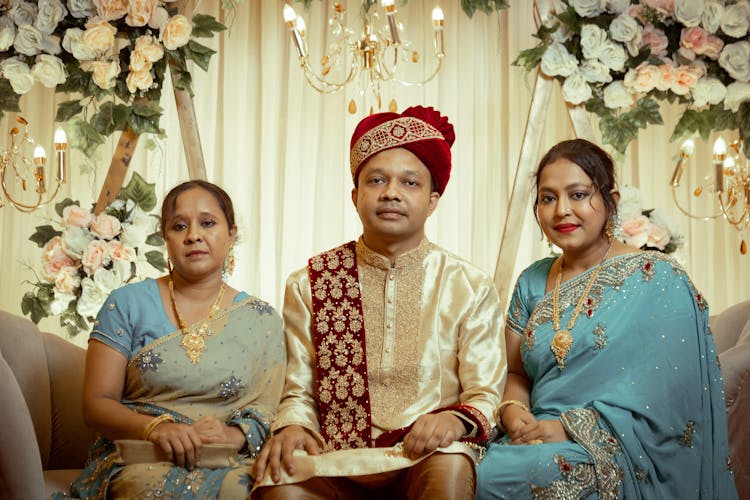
(640,396)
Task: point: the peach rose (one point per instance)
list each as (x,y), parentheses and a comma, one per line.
(635,231)
(104,73)
(99,36)
(139,80)
(655,39)
(67,280)
(661,5)
(54,259)
(701,42)
(176,32)
(73,215)
(642,79)
(111,9)
(118,251)
(657,237)
(105,226)
(685,78)
(95,257)
(139,62)
(139,12)
(150,47)
(666,76)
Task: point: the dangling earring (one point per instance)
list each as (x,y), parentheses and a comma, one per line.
(169,266)
(610,228)
(228,268)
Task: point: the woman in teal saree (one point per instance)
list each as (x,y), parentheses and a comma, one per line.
(215,379)
(614,388)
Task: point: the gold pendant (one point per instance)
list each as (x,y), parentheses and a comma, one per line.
(194,342)
(560,346)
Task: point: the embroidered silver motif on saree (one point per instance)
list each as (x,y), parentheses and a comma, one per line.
(231,388)
(686,441)
(578,481)
(600,337)
(261,306)
(148,360)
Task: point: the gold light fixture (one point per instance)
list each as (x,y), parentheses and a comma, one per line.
(728,184)
(15,159)
(374,57)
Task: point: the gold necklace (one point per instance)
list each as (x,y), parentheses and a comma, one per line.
(194,341)
(563,340)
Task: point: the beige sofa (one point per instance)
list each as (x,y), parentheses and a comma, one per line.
(44,443)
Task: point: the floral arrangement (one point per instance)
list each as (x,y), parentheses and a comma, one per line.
(113,53)
(646,229)
(468,6)
(91,255)
(620,57)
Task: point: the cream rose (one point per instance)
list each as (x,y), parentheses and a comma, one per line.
(18,74)
(688,12)
(7,33)
(617,96)
(586,8)
(51,12)
(95,257)
(713,13)
(557,61)
(737,93)
(149,47)
(104,73)
(73,215)
(75,240)
(139,80)
(99,36)
(655,39)
(139,62)
(576,90)
(635,231)
(28,40)
(49,70)
(105,226)
(657,237)
(593,39)
(81,9)
(92,298)
(111,10)
(67,281)
(735,59)
(73,44)
(642,79)
(176,32)
(594,71)
(708,91)
(159,18)
(626,29)
(139,12)
(736,19)
(51,44)
(23,12)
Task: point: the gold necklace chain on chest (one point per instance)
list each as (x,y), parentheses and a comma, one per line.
(194,341)
(562,341)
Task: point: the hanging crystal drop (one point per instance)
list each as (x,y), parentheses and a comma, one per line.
(352,107)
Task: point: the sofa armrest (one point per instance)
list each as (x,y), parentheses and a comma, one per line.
(735,369)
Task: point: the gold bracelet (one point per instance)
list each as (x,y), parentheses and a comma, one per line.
(156,421)
(507,402)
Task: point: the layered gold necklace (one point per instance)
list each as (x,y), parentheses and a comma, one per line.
(563,340)
(194,341)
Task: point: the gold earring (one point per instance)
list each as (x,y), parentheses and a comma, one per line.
(169,266)
(228,268)
(609,229)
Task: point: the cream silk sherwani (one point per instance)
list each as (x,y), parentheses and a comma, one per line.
(433,328)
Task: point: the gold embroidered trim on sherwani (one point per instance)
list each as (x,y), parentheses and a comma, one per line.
(339,339)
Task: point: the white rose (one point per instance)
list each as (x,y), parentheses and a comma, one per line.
(104,73)
(23,13)
(626,29)
(49,70)
(18,73)
(81,9)
(576,90)
(592,40)
(587,8)
(708,91)
(108,280)
(617,6)
(51,12)
(688,12)
(28,40)
(594,71)
(60,302)
(557,61)
(629,205)
(665,221)
(712,16)
(75,240)
(73,43)
(735,20)
(7,33)
(613,55)
(159,18)
(51,44)
(735,58)
(616,96)
(737,93)
(92,298)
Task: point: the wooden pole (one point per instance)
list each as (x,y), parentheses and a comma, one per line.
(117,169)
(191,139)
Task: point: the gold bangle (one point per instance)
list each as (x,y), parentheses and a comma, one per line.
(508,402)
(155,422)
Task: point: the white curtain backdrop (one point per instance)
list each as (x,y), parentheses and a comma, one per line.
(281,151)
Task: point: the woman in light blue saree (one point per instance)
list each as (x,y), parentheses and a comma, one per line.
(183,373)
(614,388)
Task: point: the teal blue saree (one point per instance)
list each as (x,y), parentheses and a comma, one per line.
(641,393)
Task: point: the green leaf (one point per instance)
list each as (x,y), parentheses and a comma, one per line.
(618,131)
(486,6)
(725,119)
(144,125)
(141,192)
(744,126)
(205,26)
(155,240)
(110,118)
(59,207)
(43,234)
(73,322)
(84,137)
(198,53)
(8,98)
(156,259)
(530,58)
(692,122)
(31,306)
(147,109)
(570,19)
(67,110)
(647,111)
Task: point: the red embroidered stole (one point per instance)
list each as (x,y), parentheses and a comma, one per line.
(339,339)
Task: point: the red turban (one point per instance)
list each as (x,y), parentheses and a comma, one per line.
(423,131)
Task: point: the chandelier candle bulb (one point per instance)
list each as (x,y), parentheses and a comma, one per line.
(40,158)
(294,22)
(438,22)
(61,149)
(720,154)
(390,12)
(686,150)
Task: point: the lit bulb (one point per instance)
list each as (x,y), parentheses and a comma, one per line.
(438,17)
(720,147)
(387,3)
(300,25)
(289,14)
(688,147)
(39,154)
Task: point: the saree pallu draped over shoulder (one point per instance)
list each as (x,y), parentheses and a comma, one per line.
(238,380)
(640,396)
